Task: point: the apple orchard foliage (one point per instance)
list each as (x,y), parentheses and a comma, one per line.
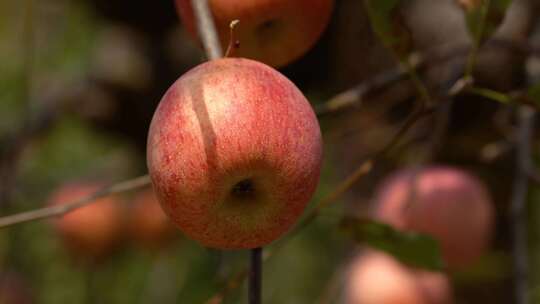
(234,153)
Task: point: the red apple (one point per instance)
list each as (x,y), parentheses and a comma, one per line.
(275,32)
(148,224)
(234,153)
(450,205)
(434,286)
(92,231)
(377,278)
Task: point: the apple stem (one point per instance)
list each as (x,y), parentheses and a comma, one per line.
(255,276)
(234,43)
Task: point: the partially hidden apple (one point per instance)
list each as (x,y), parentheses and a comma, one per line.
(450,205)
(234,153)
(275,32)
(149,227)
(377,278)
(93,231)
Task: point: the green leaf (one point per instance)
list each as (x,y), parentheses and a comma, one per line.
(483,17)
(388,24)
(411,248)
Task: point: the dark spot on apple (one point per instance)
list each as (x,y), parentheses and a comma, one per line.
(267,26)
(244,189)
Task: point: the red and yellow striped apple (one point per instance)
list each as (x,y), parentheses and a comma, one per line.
(275,32)
(234,153)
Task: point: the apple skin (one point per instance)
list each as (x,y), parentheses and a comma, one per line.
(148,225)
(93,231)
(377,278)
(450,205)
(275,32)
(234,153)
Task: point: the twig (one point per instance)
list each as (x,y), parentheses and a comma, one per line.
(355,95)
(255,277)
(518,204)
(65,208)
(234,43)
(207,29)
(477,40)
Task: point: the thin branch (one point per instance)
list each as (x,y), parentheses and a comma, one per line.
(355,95)
(59,210)
(518,204)
(255,276)
(207,29)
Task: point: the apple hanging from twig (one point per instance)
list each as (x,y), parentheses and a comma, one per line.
(234,153)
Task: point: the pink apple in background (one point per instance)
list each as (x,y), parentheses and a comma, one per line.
(275,32)
(90,232)
(446,203)
(234,153)
(434,286)
(377,278)
(149,227)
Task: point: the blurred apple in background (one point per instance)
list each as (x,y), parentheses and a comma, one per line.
(234,153)
(149,227)
(93,231)
(275,32)
(377,278)
(450,205)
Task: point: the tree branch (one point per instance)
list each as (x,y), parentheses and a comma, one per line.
(207,29)
(46,212)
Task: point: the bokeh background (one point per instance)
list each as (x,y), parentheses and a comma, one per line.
(80,79)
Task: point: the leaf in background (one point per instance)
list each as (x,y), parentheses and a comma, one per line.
(411,248)
(388,23)
(483,17)
(534,93)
